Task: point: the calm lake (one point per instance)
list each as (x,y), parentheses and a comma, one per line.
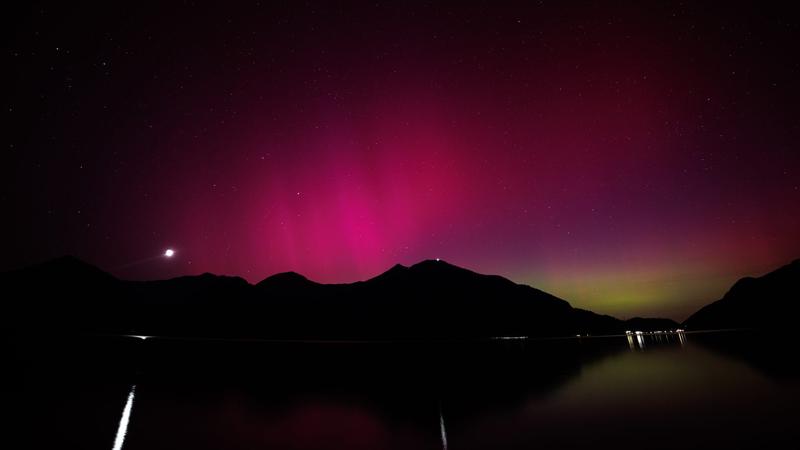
(697,390)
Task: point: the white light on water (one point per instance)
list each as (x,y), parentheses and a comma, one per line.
(442,430)
(123,421)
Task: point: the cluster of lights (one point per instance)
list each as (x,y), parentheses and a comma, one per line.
(639,333)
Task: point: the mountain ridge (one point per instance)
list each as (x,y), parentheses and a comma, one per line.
(429,299)
(764,302)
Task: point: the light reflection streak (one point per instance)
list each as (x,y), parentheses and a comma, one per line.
(442,430)
(658,337)
(123,421)
(682,338)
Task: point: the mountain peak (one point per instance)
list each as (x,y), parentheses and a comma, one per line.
(286,279)
(441,269)
(435,261)
(72,267)
(764,302)
(436,264)
(395,270)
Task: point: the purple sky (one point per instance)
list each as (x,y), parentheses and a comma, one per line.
(632,159)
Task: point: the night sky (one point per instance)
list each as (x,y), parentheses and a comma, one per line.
(632,158)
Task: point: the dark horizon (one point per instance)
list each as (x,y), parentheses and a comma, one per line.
(297,282)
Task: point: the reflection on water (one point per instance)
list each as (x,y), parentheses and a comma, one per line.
(673,390)
(443,429)
(122,430)
(637,339)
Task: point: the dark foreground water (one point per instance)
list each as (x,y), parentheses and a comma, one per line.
(710,390)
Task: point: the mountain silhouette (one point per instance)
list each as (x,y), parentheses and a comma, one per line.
(431,299)
(766,302)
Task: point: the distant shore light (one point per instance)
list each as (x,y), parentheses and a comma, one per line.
(169,253)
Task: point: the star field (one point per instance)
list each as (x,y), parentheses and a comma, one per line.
(632,159)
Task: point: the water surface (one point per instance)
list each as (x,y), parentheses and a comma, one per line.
(716,390)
